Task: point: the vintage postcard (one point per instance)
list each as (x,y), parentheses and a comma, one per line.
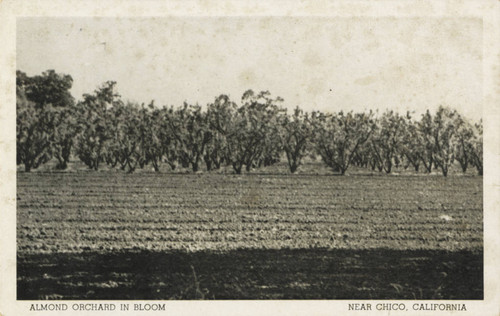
(275,158)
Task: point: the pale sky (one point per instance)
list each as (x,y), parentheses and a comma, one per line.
(327,64)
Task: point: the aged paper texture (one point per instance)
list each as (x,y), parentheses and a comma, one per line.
(331,57)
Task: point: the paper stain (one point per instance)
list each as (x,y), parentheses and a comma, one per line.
(364,81)
(139,54)
(312,58)
(315,87)
(247,77)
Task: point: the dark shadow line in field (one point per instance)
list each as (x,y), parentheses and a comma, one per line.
(356,174)
(252,274)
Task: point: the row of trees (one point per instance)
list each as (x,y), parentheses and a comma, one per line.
(101,128)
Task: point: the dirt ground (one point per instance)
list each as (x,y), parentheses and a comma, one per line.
(110,235)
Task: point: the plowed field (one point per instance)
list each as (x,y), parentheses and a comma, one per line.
(109,235)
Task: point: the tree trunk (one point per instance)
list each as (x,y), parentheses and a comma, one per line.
(61,164)
(155,164)
(208,162)
(388,167)
(195,166)
(464,166)
(172,165)
(131,166)
(217,164)
(237,167)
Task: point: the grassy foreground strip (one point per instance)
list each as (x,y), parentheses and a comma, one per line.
(253,274)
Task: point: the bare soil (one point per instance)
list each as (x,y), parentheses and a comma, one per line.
(110,235)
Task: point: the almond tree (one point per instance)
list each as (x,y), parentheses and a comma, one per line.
(190,129)
(386,140)
(477,148)
(427,145)
(34,137)
(295,135)
(364,157)
(463,144)
(151,122)
(438,137)
(338,137)
(445,135)
(95,125)
(168,141)
(251,136)
(65,131)
(411,146)
(129,136)
(220,115)
(44,118)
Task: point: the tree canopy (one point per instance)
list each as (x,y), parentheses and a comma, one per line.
(101,128)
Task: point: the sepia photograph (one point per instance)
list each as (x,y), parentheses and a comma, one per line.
(226,158)
(250,158)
